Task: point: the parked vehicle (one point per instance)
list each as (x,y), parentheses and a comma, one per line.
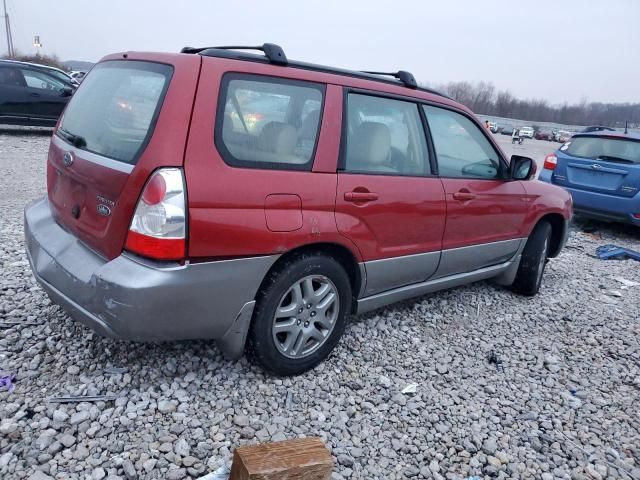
(526,132)
(168,217)
(32,94)
(506,130)
(544,134)
(56,72)
(493,127)
(597,128)
(564,136)
(78,76)
(601,170)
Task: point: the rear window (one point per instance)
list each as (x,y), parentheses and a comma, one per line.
(604,148)
(114,111)
(265,122)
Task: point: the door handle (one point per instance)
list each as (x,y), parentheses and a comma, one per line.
(360,196)
(463,195)
(34,94)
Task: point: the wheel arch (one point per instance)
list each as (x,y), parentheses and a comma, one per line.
(340,253)
(559,226)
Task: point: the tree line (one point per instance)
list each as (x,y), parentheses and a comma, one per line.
(483,98)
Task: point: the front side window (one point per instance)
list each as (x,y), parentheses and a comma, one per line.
(268,123)
(462,150)
(42,81)
(384,136)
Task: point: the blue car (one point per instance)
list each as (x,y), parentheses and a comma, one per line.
(601,170)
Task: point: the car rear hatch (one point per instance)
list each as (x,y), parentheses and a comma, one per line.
(129,117)
(607,164)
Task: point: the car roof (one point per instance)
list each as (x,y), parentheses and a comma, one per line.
(30,64)
(631,135)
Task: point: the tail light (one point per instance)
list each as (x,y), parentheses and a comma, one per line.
(158,228)
(550,161)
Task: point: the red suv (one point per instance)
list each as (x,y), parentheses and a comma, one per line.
(258,202)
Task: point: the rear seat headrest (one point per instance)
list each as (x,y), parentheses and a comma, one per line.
(278,137)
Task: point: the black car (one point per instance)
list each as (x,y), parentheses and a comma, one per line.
(597,128)
(31,95)
(506,130)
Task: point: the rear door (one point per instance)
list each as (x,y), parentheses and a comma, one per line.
(129,117)
(388,202)
(485,213)
(14,104)
(608,164)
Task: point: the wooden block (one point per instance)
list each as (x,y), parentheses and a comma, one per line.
(298,459)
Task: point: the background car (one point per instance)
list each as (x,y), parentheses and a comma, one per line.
(564,136)
(78,76)
(601,170)
(544,134)
(506,130)
(597,128)
(526,132)
(32,94)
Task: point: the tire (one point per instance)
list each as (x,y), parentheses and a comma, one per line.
(533,260)
(309,323)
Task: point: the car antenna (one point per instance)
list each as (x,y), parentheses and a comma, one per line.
(626,127)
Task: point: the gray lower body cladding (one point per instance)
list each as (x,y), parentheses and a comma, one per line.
(133,299)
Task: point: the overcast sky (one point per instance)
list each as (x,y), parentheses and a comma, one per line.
(560,50)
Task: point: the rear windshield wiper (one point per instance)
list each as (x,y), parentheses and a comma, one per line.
(76,140)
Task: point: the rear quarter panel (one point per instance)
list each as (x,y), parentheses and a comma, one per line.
(227,216)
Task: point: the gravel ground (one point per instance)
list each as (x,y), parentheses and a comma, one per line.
(560,399)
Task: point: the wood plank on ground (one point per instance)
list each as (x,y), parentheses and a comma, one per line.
(297,459)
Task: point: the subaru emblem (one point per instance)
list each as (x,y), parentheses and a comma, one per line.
(67,159)
(596,166)
(104,210)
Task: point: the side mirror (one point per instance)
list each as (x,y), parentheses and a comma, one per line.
(66,92)
(521,168)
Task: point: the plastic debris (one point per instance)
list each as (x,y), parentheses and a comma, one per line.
(289,400)
(613,293)
(15,323)
(496,360)
(221,473)
(116,370)
(614,252)
(625,282)
(83,398)
(7,381)
(411,388)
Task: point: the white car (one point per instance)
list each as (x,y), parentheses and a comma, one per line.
(526,132)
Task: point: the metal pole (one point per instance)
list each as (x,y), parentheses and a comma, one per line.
(7,27)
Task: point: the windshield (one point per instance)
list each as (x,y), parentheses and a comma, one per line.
(113,112)
(605,148)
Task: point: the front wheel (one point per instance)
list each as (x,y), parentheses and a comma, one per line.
(300,314)
(533,260)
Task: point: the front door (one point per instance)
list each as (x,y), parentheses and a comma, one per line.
(388,202)
(485,213)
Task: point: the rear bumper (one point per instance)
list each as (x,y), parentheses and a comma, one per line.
(134,299)
(611,208)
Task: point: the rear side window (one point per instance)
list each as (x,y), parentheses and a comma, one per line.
(114,111)
(462,150)
(264,122)
(604,148)
(384,136)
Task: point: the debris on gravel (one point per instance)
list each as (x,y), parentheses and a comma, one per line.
(563,404)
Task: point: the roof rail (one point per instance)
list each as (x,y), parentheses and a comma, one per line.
(273,52)
(405,77)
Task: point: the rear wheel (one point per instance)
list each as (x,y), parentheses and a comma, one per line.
(300,314)
(533,260)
